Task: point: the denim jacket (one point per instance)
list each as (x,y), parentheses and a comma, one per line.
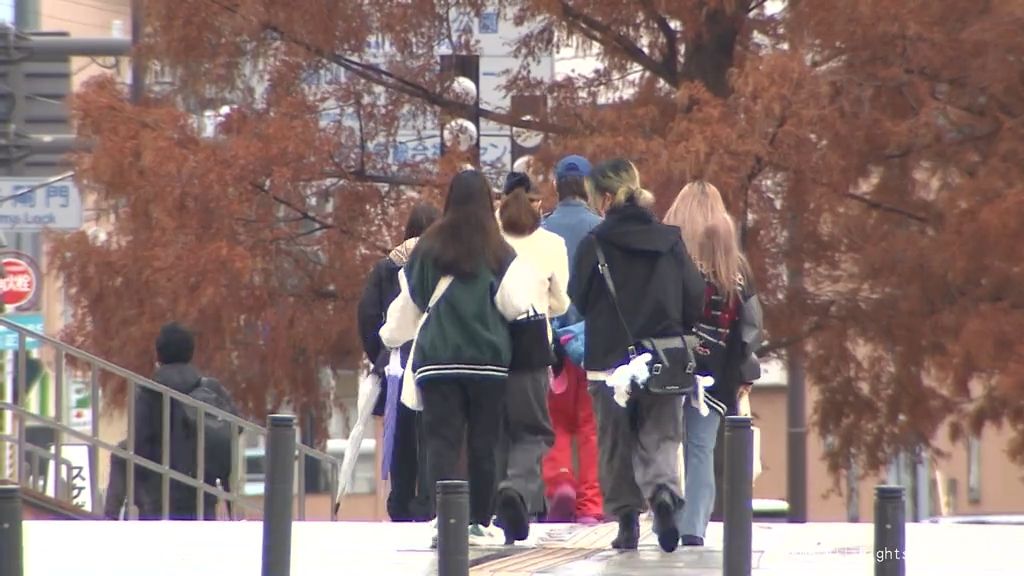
(572,219)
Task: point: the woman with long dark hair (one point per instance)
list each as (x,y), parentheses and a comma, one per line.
(657,293)
(461,287)
(409,498)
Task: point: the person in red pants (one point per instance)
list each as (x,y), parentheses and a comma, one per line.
(573,495)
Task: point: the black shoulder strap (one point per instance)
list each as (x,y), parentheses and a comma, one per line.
(602,267)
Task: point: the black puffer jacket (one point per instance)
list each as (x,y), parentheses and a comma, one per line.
(660,291)
(381,289)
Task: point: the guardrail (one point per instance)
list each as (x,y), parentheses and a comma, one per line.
(26,469)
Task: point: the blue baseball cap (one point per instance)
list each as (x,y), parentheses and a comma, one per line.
(572,166)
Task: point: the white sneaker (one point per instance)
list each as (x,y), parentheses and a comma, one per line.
(484,536)
(478,535)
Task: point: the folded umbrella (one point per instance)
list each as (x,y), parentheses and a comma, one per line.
(371,390)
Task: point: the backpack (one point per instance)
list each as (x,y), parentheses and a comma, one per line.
(713,331)
(218,437)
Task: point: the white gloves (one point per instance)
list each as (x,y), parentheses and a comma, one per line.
(625,375)
(697,398)
(622,378)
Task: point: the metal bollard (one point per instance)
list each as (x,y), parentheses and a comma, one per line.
(10,531)
(277,496)
(738,492)
(890,531)
(452,528)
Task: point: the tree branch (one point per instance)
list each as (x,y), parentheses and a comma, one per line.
(290,205)
(815,327)
(753,7)
(886,207)
(385,79)
(390,81)
(603,34)
(670,60)
(752,174)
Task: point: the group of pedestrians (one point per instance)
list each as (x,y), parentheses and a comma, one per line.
(513,333)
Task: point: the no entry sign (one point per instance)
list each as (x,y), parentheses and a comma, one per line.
(19,282)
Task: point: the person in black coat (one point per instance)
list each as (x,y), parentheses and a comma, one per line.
(660,293)
(409,500)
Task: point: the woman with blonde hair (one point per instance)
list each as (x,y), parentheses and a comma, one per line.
(632,281)
(728,333)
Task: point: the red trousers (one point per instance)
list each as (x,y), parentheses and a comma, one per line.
(572,416)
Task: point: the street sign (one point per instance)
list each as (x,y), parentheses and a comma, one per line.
(19,281)
(9,338)
(55,206)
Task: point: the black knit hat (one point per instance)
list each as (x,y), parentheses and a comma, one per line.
(516,180)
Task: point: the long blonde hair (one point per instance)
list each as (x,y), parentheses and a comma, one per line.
(719,258)
(710,236)
(620,179)
(696,205)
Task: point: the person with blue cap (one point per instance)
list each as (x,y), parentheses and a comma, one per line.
(572,497)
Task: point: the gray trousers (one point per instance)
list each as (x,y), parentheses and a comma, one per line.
(639,448)
(526,436)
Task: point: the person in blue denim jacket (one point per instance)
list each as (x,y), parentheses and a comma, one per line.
(573,495)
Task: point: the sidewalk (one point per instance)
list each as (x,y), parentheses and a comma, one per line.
(234,548)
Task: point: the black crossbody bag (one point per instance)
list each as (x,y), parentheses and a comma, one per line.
(672,366)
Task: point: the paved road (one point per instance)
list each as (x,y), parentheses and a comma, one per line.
(351,549)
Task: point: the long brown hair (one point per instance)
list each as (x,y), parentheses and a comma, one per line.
(719,258)
(467,236)
(518,216)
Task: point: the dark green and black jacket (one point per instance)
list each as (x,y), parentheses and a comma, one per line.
(465,334)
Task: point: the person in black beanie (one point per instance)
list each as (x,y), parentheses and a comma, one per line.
(409,498)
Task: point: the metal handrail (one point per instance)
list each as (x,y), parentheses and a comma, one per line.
(167,394)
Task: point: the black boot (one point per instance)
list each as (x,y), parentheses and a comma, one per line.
(629,532)
(664,506)
(512,516)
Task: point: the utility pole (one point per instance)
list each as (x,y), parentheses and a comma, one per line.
(138,64)
(796,400)
(26,15)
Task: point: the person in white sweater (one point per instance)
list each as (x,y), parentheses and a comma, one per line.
(526,431)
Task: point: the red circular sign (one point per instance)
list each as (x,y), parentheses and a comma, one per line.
(18,283)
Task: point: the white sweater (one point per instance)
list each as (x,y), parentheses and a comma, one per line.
(545,252)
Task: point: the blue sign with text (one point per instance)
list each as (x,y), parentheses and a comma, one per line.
(9,338)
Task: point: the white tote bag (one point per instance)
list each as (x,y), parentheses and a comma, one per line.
(410,391)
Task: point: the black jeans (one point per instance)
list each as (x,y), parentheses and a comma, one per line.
(409,500)
(451,408)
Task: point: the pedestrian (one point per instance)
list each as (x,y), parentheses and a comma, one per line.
(526,433)
(729,333)
(409,498)
(116,496)
(460,288)
(175,346)
(573,495)
(658,293)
